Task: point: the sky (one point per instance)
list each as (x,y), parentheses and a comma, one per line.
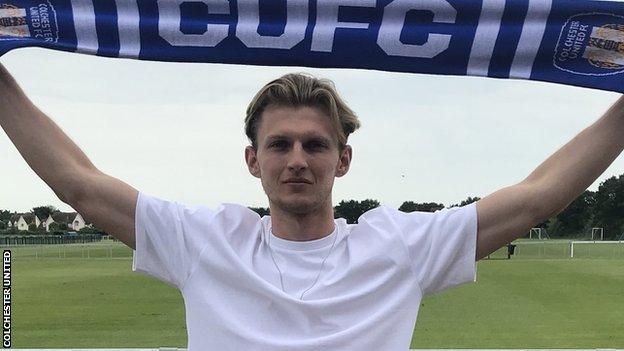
(175,130)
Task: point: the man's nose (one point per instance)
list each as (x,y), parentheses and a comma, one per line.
(297,158)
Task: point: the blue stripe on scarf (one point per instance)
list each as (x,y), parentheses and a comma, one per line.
(508,38)
(106,27)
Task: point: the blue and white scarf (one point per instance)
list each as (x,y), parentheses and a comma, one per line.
(574,42)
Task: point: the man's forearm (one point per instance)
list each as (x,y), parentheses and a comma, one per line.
(44,146)
(573,168)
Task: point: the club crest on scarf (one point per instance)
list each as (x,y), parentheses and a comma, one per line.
(35,21)
(591,44)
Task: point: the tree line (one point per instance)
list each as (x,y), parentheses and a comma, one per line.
(603,208)
(351,210)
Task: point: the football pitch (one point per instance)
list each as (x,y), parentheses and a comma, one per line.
(86,296)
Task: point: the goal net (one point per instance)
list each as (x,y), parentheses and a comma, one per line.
(538,233)
(597,234)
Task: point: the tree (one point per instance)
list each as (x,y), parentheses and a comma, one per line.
(3,225)
(411,206)
(5,215)
(54,226)
(352,210)
(543,224)
(261,211)
(609,207)
(576,218)
(44,211)
(467,201)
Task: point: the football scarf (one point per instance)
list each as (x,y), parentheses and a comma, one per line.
(573,42)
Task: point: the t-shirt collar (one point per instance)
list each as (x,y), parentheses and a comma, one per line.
(279,243)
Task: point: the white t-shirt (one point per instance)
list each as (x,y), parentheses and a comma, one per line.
(366,297)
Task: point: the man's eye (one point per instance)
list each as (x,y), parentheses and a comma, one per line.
(317,145)
(278,144)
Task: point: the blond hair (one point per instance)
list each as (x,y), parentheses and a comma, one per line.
(299,90)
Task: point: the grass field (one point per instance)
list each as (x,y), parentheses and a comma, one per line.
(86,295)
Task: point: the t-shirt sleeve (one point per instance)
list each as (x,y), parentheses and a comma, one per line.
(442,246)
(164,248)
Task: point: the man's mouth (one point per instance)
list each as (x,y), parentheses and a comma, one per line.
(298,181)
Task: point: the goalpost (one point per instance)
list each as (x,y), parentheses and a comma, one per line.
(596,231)
(545,234)
(537,231)
(540,233)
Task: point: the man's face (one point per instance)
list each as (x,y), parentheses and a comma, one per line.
(297,158)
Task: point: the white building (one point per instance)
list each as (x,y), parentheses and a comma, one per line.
(22,221)
(73,220)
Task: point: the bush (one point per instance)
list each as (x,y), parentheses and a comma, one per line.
(15,231)
(25,233)
(87,230)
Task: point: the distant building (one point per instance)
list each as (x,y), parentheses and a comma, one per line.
(74,221)
(22,221)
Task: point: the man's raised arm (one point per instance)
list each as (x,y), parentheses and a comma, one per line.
(510,212)
(103,200)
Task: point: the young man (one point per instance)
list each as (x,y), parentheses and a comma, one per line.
(300,279)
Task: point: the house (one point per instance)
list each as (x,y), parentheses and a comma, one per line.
(73,220)
(22,221)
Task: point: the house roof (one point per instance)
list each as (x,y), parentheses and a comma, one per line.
(64,217)
(59,217)
(29,217)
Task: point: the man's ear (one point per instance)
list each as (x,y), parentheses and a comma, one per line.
(345,161)
(251,158)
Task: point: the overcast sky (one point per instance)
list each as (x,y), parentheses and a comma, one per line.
(175,130)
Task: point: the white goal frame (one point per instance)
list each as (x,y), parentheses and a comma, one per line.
(542,234)
(599,230)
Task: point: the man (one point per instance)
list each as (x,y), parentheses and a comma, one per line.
(300,279)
